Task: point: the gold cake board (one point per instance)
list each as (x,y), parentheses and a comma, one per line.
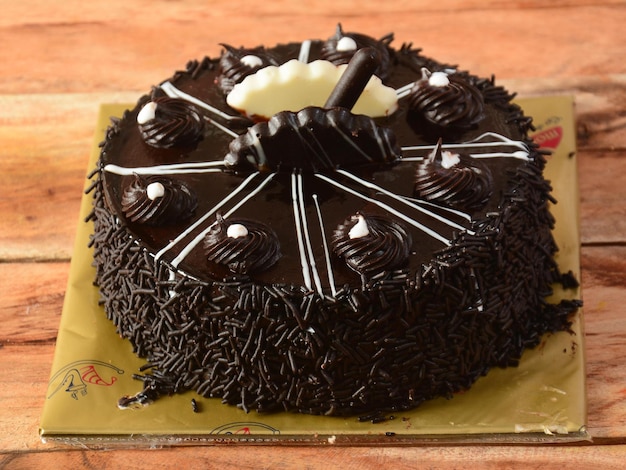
(542,400)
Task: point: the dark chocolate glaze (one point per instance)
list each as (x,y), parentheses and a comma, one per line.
(367,341)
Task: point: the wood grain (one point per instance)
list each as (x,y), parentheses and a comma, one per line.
(59,61)
(118,46)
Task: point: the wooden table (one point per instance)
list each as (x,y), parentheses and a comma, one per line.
(60,60)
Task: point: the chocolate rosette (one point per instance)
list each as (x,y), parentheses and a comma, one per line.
(236,64)
(455,180)
(168,122)
(340,48)
(370,244)
(244,246)
(158,201)
(446,100)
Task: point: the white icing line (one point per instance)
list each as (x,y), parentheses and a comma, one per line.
(221,128)
(307,237)
(185,251)
(175,168)
(444,208)
(205,216)
(305,49)
(404,90)
(173,92)
(369,185)
(350,141)
(519,154)
(390,209)
(476,143)
(329,267)
(296,216)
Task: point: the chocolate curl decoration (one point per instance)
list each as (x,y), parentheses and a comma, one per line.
(354,79)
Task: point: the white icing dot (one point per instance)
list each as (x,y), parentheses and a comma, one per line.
(155,190)
(147,113)
(359,230)
(449,159)
(251,61)
(236,231)
(346,43)
(439,79)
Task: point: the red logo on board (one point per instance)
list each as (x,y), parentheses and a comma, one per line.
(549,138)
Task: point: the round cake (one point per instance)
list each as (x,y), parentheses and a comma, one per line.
(331,227)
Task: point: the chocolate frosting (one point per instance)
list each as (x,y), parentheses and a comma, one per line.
(329,50)
(256,251)
(176,204)
(176,123)
(467,185)
(232,70)
(458,104)
(384,248)
(313,139)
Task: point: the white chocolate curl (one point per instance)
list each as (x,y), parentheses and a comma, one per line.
(296,85)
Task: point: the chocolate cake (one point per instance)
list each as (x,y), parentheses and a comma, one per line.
(332,227)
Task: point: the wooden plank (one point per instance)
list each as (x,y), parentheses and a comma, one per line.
(602,197)
(603,281)
(126,48)
(32,300)
(46,143)
(34,12)
(342,458)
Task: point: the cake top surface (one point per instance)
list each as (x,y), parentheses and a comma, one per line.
(271,138)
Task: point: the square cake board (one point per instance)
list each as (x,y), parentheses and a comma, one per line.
(541,401)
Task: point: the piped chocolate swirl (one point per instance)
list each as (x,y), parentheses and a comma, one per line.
(446,100)
(340,48)
(166,122)
(236,64)
(242,245)
(456,180)
(157,201)
(370,244)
